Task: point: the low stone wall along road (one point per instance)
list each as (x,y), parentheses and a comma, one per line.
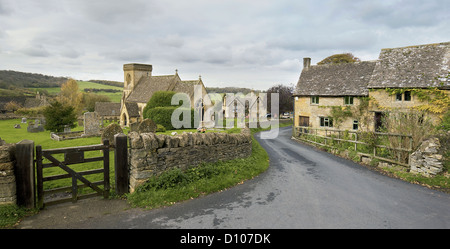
(303,188)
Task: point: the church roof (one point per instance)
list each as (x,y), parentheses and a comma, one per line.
(344,79)
(418,66)
(148,85)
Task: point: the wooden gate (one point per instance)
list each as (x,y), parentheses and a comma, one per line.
(72,156)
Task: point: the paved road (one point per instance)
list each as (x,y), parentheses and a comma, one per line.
(303,188)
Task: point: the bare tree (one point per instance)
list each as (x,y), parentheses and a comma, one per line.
(285,96)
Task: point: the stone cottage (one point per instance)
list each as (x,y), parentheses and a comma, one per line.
(108,111)
(140,84)
(365,90)
(323,87)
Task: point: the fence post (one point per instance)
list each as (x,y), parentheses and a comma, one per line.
(106,169)
(121,164)
(25,183)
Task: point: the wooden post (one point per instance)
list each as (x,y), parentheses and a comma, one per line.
(106,186)
(40,183)
(25,182)
(121,164)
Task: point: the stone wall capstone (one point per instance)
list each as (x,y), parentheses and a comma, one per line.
(151,154)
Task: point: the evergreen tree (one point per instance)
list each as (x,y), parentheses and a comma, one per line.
(57,116)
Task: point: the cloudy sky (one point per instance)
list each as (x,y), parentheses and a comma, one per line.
(241,43)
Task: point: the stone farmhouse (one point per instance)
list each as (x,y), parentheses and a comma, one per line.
(140,84)
(367,89)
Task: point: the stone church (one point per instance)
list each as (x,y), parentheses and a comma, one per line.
(140,84)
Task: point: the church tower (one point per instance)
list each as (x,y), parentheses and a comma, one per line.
(132,74)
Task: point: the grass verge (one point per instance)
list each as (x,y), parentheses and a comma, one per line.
(11,214)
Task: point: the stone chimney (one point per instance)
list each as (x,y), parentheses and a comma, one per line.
(306,62)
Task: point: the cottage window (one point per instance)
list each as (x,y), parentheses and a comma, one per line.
(348,100)
(355,124)
(407,95)
(398,97)
(326,122)
(315,100)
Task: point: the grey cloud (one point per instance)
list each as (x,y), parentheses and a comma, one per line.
(111,12)
(70,52)
(36,51)
(5,9)
(171,40)
(127,54)
(396,14)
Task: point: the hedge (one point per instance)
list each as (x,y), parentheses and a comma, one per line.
(163,116)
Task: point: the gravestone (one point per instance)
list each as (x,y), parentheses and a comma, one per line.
(24,120)
(35,127)
(110,131)
(91,124)
(147,126)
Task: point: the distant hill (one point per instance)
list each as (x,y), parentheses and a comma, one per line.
(13,79)
(13,83)
(108,82)
(229,90)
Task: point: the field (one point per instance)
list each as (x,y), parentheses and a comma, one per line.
(114,97)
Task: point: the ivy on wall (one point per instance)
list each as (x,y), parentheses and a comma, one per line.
(435,100)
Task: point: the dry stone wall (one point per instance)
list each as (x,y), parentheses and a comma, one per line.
(7,177)
(151,154)
(427,160)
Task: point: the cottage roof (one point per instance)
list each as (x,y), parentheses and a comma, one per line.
(107,108)
(345,79)
(419,66)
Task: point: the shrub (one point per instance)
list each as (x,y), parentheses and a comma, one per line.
(160,128)
(160,109)
(163,116)
(159,99)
